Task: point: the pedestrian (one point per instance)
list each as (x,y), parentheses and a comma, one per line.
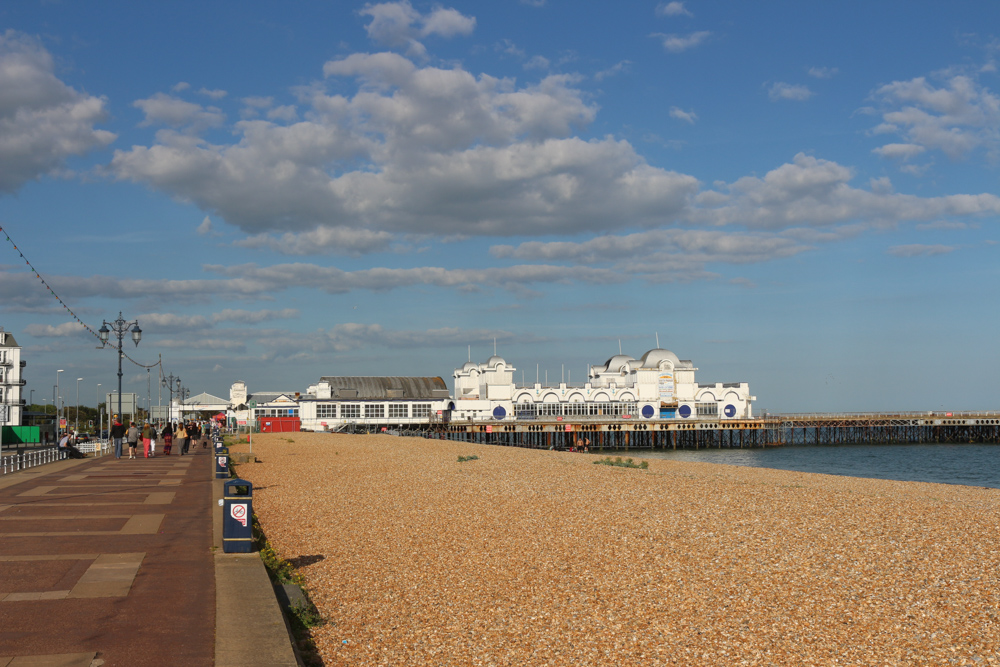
(132,436)
(147,434)
(117,433)
(152,439)
(71,451)
(168,439)
(180,435)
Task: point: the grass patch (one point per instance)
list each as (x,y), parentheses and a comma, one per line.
(618,463)
(463,459)
(303,616)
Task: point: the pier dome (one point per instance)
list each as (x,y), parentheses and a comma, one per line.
(655,358)
(494,361)
(618,362)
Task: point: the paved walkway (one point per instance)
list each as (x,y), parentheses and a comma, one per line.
(108,562)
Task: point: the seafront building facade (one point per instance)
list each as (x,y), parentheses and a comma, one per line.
(657,386)
(11,381)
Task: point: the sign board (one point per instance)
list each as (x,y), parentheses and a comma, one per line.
(241,422)
(489,429)
(128,402)
(569,427)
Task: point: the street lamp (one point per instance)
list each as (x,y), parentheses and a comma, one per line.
(55,397)
(168,382)
(77,427)
(119,327)
(97,407)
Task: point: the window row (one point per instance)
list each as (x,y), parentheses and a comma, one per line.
(276,412)
(614,409)
(372,410)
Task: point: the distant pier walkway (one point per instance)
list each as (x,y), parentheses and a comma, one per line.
(768,431)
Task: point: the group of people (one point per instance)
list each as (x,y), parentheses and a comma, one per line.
(182,435)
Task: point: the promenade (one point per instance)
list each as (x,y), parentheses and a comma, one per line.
(109,562)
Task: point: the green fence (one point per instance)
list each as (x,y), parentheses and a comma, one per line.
(21,435)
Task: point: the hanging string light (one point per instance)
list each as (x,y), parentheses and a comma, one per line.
(63,303)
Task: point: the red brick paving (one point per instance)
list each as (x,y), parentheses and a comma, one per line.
(168,616)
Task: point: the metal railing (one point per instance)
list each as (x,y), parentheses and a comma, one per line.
(30,459)
(95,447)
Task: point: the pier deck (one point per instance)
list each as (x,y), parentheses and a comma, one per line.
(768,431)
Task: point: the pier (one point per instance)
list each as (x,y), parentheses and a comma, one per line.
(769,431)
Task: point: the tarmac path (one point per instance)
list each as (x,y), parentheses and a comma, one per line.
(107,562)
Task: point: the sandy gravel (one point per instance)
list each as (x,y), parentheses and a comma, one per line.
(541,558)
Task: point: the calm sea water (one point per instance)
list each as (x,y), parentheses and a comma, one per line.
(971,465)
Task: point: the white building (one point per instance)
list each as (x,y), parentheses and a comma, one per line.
(657,386)
(340,401)
(11,380)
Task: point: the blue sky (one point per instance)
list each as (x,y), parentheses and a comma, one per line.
(801,196)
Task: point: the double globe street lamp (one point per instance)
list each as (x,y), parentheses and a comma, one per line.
(119,327)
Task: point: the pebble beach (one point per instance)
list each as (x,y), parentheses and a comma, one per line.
(531,557)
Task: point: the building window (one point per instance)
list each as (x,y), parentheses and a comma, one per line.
(350,410)
(375,410)
(421,409)
(398,411)
(707,409)
(326,410)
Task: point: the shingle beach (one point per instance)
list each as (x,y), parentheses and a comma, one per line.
(527,557)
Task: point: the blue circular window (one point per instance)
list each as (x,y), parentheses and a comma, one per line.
(647,411)
(730,410)
(499,412)
(684,411)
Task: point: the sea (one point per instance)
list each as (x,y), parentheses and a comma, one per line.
(969,465)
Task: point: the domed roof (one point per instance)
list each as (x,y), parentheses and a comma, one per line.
(494,360)
(617,361)
(653,358)
(469,366)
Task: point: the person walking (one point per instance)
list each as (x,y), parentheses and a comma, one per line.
(180,435)
(168,439)
(117,433)
(132,437)
(147,434)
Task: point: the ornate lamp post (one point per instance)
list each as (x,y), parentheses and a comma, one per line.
(77,427)
(55,398)
(168,382)
(119,327)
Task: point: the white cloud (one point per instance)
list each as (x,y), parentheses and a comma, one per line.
(64,330)
(615,69)
(822,72)
(679,43)
(167,110)
(416,150)
(672,9)
(686,116)
(899,151)
(42,120)
(811,192)
(285,112)
(787,91)
(253,316)
(205,228)
(215,94)
(323,240)
(399,25)
(917,250)
(957,118)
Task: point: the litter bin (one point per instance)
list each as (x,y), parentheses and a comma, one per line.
(222,463)
(218,445)
(237,510)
